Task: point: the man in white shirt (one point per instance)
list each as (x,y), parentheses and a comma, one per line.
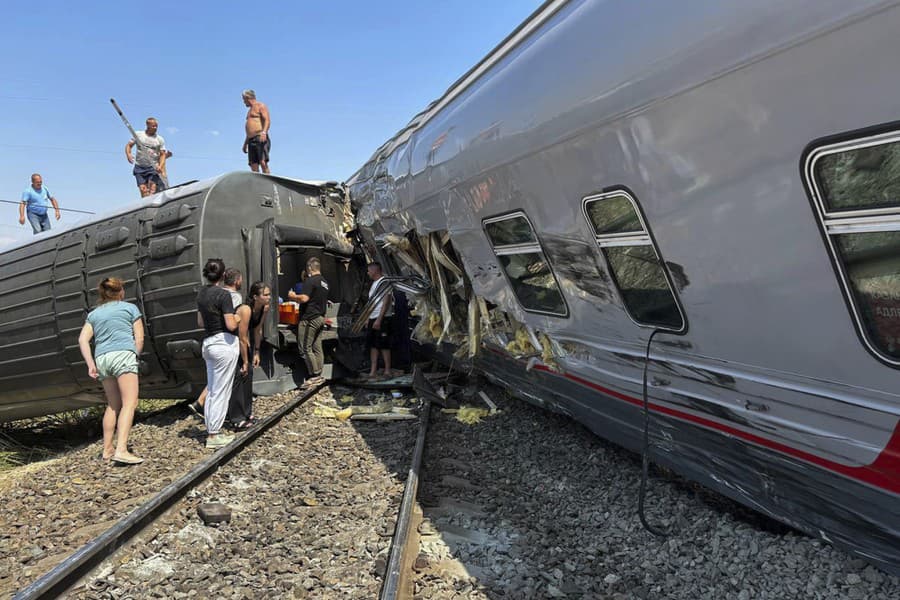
(149,160)
(378,338)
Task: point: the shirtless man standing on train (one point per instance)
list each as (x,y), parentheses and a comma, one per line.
(257,143)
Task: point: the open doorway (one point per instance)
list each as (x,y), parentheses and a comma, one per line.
(346,277)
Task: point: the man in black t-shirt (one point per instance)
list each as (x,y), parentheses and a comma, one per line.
(312,294)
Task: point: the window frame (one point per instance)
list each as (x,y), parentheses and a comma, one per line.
(850,221)
(512,249)
(645,238)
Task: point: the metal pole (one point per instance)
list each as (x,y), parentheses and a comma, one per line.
(163,176)
(124,120)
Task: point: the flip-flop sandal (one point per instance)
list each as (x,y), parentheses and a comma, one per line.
(127,460)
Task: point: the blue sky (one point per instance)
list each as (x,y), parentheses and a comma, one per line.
(339,77)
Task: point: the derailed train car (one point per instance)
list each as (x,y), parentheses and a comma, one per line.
(686,212)
(264,225)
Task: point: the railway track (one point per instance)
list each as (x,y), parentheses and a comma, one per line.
(523,504)
(69,571)
(312,524)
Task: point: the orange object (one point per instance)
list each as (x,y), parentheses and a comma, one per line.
(288,314)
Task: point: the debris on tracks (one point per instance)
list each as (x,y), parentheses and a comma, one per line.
(214,512)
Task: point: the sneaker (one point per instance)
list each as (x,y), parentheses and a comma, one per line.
(195,408)
(219,440)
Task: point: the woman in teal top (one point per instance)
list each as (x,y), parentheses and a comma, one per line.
(118,333)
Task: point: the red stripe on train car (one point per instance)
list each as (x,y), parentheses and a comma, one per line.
(883,472)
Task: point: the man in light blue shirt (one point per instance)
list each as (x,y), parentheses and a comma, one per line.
(35,202)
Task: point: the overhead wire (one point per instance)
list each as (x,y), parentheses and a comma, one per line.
(91,151)
(74,210)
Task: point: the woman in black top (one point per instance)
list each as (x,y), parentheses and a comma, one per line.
(220,349)
(251,315)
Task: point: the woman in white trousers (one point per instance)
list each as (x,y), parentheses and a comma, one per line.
(220,350)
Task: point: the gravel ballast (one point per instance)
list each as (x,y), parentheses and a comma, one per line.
(528,504)
(312,505)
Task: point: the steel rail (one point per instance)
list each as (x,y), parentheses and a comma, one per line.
(69,571)
(393,573)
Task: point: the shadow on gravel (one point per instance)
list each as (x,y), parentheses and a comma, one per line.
(196,435)
(391,442)
(33,440)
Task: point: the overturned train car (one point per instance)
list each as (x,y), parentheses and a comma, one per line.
(693,200)
(264,225)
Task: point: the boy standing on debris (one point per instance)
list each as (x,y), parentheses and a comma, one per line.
(378,338)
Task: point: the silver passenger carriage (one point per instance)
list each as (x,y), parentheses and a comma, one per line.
(710,185)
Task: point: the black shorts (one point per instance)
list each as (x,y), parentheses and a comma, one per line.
(145,175)
(379,338)
(258,151)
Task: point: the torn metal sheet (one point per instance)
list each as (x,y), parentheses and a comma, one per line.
(438,275)
(474,326)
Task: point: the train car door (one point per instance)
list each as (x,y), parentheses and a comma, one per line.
(168,258)
(69,293)
(112,251)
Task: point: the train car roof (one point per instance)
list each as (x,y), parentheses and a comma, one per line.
(543,13)
(161,198)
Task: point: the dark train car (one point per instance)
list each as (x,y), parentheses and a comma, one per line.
(260,224)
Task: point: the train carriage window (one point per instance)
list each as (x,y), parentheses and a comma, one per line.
(516,230)
(855,187)
(860,178)
(633,260)
(526,266)
(614,215)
